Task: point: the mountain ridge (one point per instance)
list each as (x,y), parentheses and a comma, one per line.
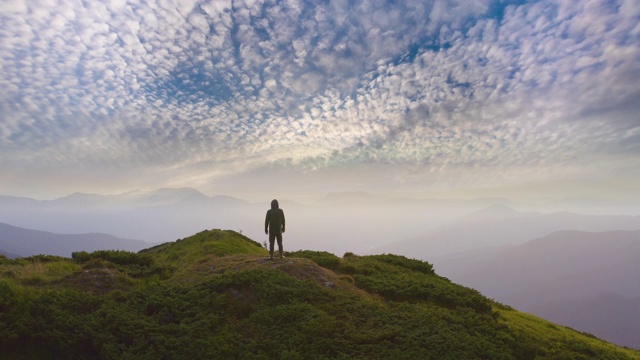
(501,225)
(557,270)
(612,316)
(22,242)
(215,295)
(360,226)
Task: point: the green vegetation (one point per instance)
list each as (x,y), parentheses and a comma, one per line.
(215,296)
(214,242)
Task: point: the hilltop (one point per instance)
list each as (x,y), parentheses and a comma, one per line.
(214,295)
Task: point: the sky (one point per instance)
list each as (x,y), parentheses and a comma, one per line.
(254,98)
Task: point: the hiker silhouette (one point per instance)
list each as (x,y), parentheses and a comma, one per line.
(274,226)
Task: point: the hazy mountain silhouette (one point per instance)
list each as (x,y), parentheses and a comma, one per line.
(551,273)
(355,221)
(348,198)
(7,201)
(170,196)
(152,216)
(608,316)
(9,255)
(20,242)
(339,222)
(501,225)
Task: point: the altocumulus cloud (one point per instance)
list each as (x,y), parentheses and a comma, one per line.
(190,91)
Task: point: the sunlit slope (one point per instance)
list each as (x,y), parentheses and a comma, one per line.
(215,296)
(205,243)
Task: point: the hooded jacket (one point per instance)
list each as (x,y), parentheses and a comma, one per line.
(274,221)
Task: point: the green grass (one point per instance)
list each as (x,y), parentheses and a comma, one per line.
(542,334)
(208,242)
(37,273)
(215,296)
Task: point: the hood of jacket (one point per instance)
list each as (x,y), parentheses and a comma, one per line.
(274,204)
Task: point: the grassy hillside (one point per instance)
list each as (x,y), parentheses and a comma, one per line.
(214,296)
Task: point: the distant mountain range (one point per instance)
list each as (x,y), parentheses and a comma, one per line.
(585,280)
(500,225)
(358,222)
(9,255)
(152,216)
(160,197)
(338,222)
(609,316)
(20,242)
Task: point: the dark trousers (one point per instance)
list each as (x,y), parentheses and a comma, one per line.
(272,238)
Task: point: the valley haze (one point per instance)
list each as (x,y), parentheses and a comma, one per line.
(350,221)
(339,222)
(585,280)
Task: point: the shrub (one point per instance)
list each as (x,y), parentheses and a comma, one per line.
(412,264)
(44,258)
(119,257)
(347,278)
(6,261)
(322,258)
(133,264)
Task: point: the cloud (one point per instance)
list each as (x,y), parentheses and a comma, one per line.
(204,89)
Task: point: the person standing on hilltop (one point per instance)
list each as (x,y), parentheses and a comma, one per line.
(274,226)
